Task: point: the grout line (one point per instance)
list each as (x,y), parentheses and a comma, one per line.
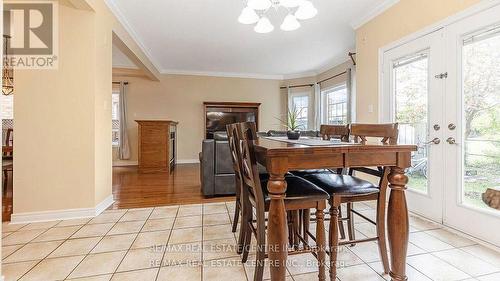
(44,258)
(102,237)
(166,245)
(130,247)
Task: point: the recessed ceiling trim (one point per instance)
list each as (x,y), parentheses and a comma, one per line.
(121,18)
(223,74)
(377,10)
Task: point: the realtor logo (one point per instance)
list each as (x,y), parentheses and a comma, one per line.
(32,26)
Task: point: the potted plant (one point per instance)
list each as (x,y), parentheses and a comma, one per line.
(292,124)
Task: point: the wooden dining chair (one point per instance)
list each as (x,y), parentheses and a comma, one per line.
(232,129)
(334,131)
(349,189)
(326,132)
(300,194)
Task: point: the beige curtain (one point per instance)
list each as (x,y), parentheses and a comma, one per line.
(124,149)
(317,106)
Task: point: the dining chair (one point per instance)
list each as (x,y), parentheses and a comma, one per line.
(231,130)
(300,194)
(349,189)
(327,132)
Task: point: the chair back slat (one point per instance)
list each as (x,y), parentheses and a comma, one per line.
(334,131)
(388,132)
(249,171)
(232,131)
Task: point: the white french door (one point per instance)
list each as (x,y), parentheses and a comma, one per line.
(473,123)
(444,91)
(415,101)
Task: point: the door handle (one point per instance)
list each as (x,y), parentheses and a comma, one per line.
(434,141)
(451,140)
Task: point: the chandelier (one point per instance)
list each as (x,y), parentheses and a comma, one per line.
(7,71)
(256,13)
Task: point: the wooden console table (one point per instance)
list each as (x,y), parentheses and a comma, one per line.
(157,145)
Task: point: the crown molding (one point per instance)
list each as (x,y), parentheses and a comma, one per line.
(223,74)
(121,18)
(371,14)
(300,75)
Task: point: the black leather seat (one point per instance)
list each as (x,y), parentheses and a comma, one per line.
(341,184)
(297,189)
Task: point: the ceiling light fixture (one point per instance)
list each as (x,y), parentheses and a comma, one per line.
(256,13)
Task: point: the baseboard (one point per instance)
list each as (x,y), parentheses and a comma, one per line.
(108,201)
(188,161)
(124,163)
(30,217)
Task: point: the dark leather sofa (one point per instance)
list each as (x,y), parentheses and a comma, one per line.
(216,168)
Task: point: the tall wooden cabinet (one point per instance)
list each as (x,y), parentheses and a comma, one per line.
(157,145)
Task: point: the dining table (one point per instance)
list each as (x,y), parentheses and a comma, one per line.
(280,156)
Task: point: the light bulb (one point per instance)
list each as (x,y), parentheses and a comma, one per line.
(263,26)
(259,4)
(290,3)
(248,16)
(290,23)
(306,11)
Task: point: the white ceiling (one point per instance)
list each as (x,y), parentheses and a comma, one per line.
(204,36)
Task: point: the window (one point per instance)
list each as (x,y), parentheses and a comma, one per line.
(115,115)
(7,107)
(300,102)
(334,105)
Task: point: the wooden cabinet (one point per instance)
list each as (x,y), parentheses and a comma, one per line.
(157,145)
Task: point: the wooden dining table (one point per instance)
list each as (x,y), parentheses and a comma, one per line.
(280,157)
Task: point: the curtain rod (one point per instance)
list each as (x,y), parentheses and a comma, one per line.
(331,77)
(126,83)
(310,85)
(297,86)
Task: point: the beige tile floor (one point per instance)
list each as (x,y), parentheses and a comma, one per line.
(194,242)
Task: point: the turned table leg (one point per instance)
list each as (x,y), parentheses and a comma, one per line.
(277,229)
(397,224)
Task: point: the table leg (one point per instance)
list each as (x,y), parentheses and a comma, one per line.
(397,224)
(277,229)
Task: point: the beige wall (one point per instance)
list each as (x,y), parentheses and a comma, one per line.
(181,97)
(404,18)
(63,116)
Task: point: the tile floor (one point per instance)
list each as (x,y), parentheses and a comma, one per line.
(194,242)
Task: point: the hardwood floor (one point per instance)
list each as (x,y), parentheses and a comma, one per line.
(134,190)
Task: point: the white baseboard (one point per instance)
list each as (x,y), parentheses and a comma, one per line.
(188,161)
(108,201)
(124,163)
(67,214)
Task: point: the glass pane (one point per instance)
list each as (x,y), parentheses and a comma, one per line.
(481,119)
(301,103)
(411,100)
(336,106)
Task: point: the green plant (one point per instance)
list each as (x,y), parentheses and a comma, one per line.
(292,122)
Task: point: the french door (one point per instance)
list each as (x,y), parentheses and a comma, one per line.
(415,101)
(444,90)
(473,118)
